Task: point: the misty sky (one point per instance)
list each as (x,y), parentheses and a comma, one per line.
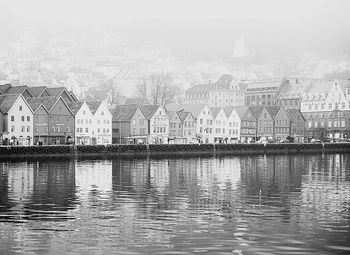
(197,29)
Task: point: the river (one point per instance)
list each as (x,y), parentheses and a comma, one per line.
(278,204)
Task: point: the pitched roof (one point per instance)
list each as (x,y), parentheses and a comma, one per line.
(57,91)
(183,115)
(148,110)
(256,110)
(228,111)
(75,107)
(241,110)
(17,89)
(273,110)
(94,106)
(215,111)
(124,112)
(264,83)
(138,101)
(50,101)
(7,101)
(5,87)
(195,109)
(293,113)
(36,91)
(295,87)
(35,102)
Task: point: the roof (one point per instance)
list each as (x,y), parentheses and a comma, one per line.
(273,110)
(75,107)
(35,102)
(94,106)
(5,87)
(7,101)
(183,115)
(195,109)
(148,110)
(241,110)
(256,110)
(56,91)
(36,91)
(293,113)
(136,100)
(265,83)
(124,112)
(294,88)
(228,111)
(50,101)
(215,112)
(16,89)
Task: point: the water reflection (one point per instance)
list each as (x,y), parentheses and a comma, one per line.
(241,205)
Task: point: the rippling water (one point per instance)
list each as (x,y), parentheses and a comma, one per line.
(297,204)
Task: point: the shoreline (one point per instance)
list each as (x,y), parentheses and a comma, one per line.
(166,150)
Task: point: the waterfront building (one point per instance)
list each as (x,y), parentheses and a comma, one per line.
(83,118)
(274,123)
(40,121)
(223,93)
(182,127)
(264,92)
(8,89)
(16,120)
(101,123)
(234,124)
(297,125)
(248,127)
(326,108)
(60,120)
(121,123)
(150,124)
(220,125)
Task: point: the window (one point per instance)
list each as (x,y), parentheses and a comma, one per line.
(133,122)
(68,129)
(12,128)
(20,108)
(104,121)
(90,121)
(200,121)
(78,121)
(102,113)
(98,130)
(12,118)
(28,118)
(77,130)
(84,112)
(98,121)
(23,128)
(22,118)
(86,130)
(28,128)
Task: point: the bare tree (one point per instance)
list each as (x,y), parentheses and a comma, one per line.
(142,89)
(107,90)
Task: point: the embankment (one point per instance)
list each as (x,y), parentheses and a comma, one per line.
(155,150)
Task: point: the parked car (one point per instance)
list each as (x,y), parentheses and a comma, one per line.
(316,141)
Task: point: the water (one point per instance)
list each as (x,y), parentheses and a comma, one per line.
(296,204)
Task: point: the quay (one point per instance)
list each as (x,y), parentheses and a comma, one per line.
(154,150)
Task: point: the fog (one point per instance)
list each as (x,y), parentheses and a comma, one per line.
(233,33)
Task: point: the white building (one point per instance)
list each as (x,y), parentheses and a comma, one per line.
(16,120)
(83,119)
(234,124)
(220,125)
(102,123)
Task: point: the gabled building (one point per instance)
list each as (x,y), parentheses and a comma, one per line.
(60,129)
(182,127)
(248,131)
(297,126)
(102,123)
(274,123)
(16,120)
(220,125)
(291,94)
(150,124)
(234,124)
(23,90)
(121,123)
(83,118)
(40,120)
(203,118)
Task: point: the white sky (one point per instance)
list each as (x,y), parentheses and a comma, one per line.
(107,11)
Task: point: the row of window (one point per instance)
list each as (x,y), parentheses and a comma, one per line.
(209,122)
(22,118)
(321,123)
(23,128)
(335,114)
(321,106)
(159,130)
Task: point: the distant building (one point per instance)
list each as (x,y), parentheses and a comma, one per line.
(223,93)
(248,131)
(264,92)
(182,127)
(297,126)
(220,125)
(234,124)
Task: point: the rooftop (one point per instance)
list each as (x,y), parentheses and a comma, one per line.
(124,112)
